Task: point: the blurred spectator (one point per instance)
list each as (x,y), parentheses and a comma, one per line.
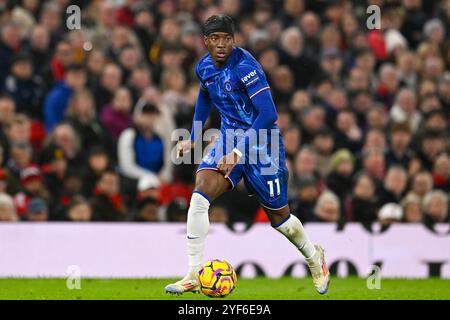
(412,208)
(81,114)
(328,207)
(32,185)
(323,144)
(305,200)
(441,172)
(141,151)
(96,163)
(37,210)
(7,208)
(432,144)
(57,99)
(110,82)
(79,210)
(54,169)
(339,180)
(117,117)
(65,137)
(147,210)
(26,89)
(399,152)
(10,44)
(390,213)
(394,185)
(107,202)
(177,210)
(422,183)
(435,207)
(348,135)
(363,201)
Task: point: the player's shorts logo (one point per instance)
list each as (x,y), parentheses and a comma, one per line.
(228,86)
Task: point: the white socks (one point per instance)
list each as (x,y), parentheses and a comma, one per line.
(292,228)
(197,229)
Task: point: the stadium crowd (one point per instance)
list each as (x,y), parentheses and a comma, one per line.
(86,115)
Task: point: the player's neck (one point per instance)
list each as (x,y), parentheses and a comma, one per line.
(220,64)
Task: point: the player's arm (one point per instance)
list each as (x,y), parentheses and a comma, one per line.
(202,110)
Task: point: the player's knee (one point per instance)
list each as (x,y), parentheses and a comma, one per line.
(206,186)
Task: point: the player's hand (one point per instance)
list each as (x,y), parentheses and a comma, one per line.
(227,163)
(183,147)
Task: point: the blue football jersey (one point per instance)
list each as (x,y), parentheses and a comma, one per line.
(231,87)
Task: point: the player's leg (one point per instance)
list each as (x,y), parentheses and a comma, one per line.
(209,184)
(291,227)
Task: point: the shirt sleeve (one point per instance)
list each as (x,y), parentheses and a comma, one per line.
(253,79)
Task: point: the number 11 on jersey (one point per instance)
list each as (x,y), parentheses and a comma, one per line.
(271,191)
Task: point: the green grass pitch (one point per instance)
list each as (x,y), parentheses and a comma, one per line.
(260,288)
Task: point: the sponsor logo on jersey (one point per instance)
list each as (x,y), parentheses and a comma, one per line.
(250,78)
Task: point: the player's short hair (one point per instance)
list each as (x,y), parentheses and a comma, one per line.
(218,23)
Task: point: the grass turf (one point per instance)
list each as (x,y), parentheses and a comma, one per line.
(260,288)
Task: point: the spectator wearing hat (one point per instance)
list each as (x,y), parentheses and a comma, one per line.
(26,88)
(57,100)
(7,208)
(107,203)
(339,181)
(399,152)
(32,186)
(37,210)
(390,213)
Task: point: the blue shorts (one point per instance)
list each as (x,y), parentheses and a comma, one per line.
(267,180)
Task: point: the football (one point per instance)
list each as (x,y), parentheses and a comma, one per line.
(217,278)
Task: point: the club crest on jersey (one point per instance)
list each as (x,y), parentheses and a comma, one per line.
(250,78)
(228,86)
